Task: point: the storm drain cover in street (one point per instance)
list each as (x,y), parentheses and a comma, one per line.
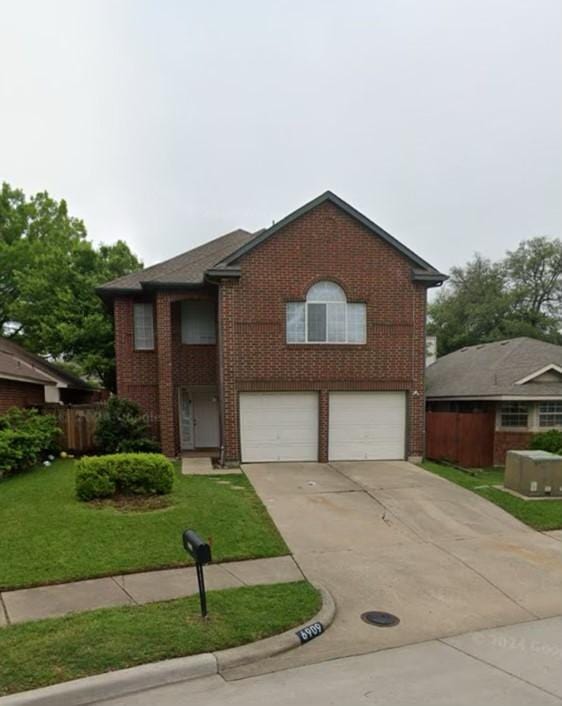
(380,618)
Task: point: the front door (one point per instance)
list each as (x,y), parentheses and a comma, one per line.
(186,420)
(199,418)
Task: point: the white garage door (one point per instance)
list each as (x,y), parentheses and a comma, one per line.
(367,425)
(279,426)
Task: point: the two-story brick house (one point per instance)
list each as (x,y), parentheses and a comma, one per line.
(304,341)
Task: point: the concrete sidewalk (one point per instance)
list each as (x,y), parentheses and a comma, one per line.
(146,587)
(520,665)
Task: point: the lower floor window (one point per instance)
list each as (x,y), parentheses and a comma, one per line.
(550,414)
(514,414)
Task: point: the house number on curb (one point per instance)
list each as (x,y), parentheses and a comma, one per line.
(310,632)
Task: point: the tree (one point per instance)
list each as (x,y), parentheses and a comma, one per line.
(484,301)
(48,274)
(534,273)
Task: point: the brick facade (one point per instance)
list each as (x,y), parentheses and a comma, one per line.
(505,441)
(14,393)
(324,243)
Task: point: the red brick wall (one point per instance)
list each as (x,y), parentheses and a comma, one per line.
(19,394)
(137,371)
(152,378)
(323,244)
(505,441)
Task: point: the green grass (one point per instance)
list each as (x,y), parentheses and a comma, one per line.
(48,536)
(540,514)
(59,649)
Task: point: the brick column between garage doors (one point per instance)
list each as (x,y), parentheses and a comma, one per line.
(323,425)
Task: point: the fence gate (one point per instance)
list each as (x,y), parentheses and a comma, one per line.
(465,438)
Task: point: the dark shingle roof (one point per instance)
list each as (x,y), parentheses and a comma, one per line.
(493,369)
(15,361)
(186,269)
(220,256)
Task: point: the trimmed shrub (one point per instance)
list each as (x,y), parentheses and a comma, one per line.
(25,437)
(126,474)
(121,428)
(547,441)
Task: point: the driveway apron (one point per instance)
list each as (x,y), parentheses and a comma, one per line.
(390,536)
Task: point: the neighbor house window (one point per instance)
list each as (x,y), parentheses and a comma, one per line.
(326,317)
(143,316)
(514,414)
(198,322)
(550,414)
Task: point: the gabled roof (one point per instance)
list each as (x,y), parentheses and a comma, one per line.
(16,363)
(550,368)
(220,257)
(494,370)
(423,270)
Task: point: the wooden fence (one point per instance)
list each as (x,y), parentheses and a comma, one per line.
(77,424)
(465,438)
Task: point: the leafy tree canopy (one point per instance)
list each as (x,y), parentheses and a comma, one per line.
(48,274)
(521,295)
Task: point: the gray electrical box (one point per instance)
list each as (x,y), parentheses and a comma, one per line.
(534,473)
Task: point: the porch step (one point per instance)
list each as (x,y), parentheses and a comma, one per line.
(203,467)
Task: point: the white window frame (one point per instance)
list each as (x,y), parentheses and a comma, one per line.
(540,414)
(514,427)
(326,303)
(146,341)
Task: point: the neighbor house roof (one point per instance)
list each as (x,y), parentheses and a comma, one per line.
(504,369)
(220,257)
(16,363)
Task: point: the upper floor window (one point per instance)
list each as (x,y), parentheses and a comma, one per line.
(143,326)
(550,414)
(326,317)
(514,414)
(198,324)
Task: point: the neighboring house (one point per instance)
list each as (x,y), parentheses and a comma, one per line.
(304,341)
(26,380)
(517,383)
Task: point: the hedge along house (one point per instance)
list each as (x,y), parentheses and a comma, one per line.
(304,341)
(514,385)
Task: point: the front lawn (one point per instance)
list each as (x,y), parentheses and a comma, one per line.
(59,649)
(540,514)
(48,536)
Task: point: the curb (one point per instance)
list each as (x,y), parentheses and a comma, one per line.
(81,692)
(277,644)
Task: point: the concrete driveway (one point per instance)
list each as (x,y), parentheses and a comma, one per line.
(391,536)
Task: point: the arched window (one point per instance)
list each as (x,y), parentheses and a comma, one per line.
(326,317)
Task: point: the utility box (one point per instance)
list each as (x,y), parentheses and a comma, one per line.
(534,473)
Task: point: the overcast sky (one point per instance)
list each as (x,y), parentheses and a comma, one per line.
(168,122)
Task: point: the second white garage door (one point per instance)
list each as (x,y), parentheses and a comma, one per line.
(367,425)
(279,426)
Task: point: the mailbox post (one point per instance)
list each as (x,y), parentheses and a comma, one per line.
(201,552)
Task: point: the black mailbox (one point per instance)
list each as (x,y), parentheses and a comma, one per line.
(194,545)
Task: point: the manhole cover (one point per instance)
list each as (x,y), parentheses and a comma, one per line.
(380,618)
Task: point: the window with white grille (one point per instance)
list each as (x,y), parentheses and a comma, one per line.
(326,317)
(143,316)
(514,414)
(550,414)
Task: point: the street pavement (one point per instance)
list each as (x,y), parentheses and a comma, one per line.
(519,665)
